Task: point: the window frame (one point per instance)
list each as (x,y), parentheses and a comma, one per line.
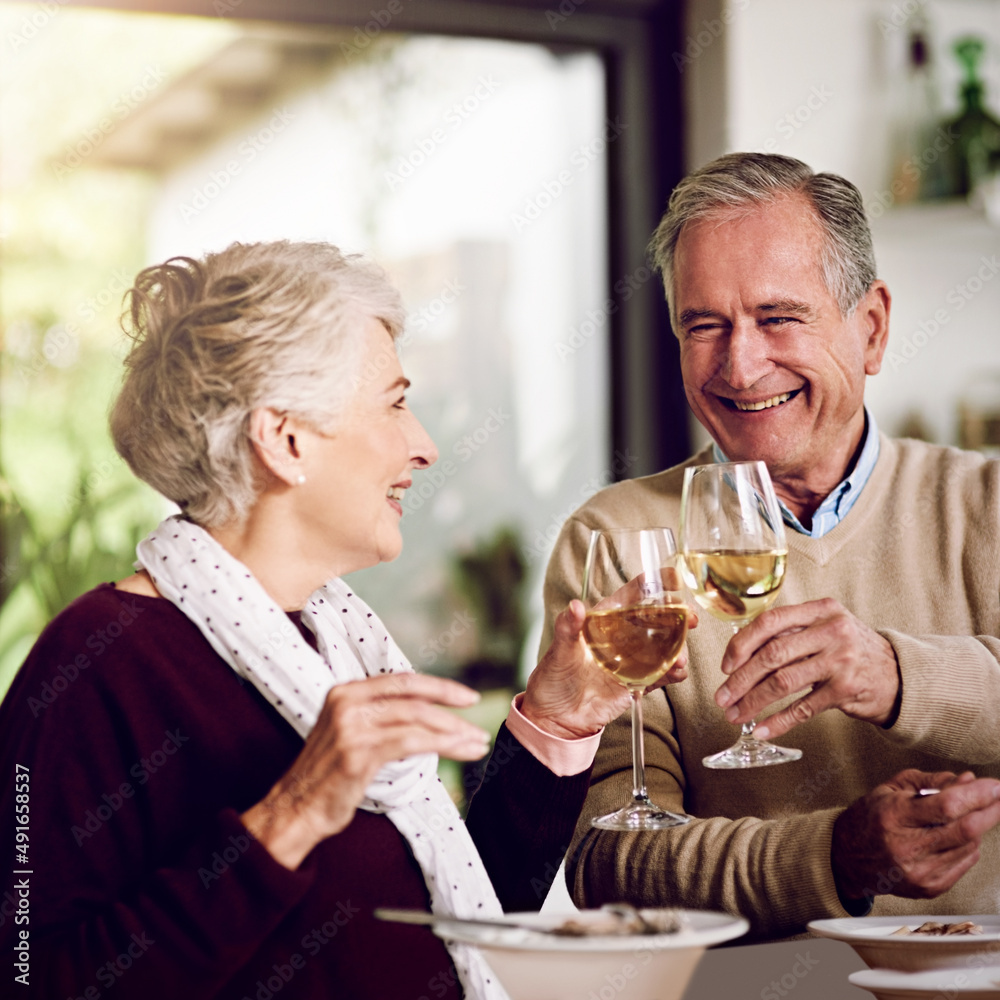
(635,40)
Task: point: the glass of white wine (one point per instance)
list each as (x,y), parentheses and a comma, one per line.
(734,554)
(635,628)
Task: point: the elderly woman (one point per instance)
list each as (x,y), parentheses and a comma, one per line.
(227,760)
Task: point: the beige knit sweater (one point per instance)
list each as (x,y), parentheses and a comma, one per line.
(918,559)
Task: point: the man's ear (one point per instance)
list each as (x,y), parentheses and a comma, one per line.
(273,436)
(875,307)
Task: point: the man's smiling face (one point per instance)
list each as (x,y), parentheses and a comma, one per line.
(771,368)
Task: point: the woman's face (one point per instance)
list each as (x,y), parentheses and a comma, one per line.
(356,473)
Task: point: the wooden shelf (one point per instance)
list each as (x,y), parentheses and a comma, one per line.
(950,226)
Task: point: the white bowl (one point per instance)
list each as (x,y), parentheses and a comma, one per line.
(872,938)
(534,966)
(970,983)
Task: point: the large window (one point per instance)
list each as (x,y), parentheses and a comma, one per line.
(474,170)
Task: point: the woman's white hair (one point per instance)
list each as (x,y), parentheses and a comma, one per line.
(257,325)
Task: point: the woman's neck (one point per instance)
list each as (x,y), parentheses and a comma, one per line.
(270,547)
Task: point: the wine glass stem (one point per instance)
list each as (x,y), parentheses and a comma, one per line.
(639,793)
(746,730)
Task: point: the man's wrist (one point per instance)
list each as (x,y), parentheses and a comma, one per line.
(856,907)
(897,705)
(897,701)
(849,890)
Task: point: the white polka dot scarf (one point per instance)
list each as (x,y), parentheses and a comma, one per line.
(254,636)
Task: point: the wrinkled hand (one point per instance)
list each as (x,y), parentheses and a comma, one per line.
(363,725)
(893,841)
(568,694)
(818,645)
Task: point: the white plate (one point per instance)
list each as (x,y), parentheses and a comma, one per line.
(970,983)
(533,966)
(701,929)
(872,938)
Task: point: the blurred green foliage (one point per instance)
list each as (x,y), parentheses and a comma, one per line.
(489,578)
(48,562)
(72,236)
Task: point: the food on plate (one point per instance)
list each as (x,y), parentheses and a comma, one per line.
(621,919)
(935,929)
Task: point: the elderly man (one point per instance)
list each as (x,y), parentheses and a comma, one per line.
(883,652)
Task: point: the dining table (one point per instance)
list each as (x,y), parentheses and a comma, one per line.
(806,967)
(802,968)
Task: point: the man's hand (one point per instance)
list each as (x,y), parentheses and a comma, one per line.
(568,695)
(819,645)
(894,841)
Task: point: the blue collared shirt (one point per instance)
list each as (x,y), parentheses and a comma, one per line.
(843,496)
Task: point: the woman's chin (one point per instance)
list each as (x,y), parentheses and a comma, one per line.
(387,552)
(391,553)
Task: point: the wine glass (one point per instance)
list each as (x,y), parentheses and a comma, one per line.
(635,628)
(734,553)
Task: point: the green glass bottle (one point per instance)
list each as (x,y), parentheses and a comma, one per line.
(976,133)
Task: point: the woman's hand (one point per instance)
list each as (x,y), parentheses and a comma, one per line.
(363,725)
(568,695)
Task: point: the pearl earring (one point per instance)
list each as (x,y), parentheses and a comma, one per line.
(301,479)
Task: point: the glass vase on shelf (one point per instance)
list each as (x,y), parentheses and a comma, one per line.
(975,153)
(917,136)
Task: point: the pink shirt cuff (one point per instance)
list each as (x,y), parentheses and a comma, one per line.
(561,757)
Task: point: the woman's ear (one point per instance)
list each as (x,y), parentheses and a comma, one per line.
(273,436)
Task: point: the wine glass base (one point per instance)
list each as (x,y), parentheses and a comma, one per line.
(639,816)
(748,752)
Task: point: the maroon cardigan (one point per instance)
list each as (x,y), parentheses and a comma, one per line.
(141,748)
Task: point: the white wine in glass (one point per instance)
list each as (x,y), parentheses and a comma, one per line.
(635,628)
(734,555)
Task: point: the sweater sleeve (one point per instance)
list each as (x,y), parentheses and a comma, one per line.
(951,696)
(112,902)
(949,649)
(521,819)
(183,930)
(774,872)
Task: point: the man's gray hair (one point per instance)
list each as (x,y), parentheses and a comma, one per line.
(740,181)
(274,325)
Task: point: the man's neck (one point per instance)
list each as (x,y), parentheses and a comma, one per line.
(803,493)
(800,499)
